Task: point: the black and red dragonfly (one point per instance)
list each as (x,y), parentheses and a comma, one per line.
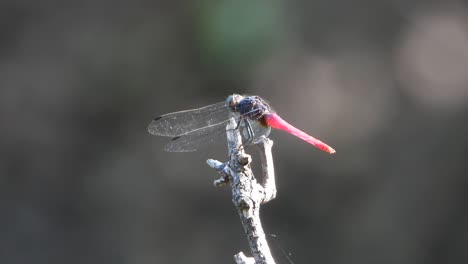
(191,129)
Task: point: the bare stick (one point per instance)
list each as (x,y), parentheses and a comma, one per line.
(247,194)
(268,181)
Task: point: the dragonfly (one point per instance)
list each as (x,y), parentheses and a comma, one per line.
(192,129)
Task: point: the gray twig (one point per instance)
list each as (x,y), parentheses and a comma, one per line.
(247,194)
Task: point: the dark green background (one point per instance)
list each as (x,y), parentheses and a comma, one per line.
(383,82)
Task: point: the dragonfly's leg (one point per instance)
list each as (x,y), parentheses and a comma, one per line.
(250,133)
(239,122)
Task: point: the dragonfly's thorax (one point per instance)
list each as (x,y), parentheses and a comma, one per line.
(252,107)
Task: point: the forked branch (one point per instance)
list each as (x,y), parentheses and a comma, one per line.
(247,193)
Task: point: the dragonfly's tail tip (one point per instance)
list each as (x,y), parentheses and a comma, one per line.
(331,151)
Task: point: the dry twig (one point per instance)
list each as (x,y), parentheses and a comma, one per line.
(247,194)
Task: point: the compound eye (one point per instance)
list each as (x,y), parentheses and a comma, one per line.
(232,101)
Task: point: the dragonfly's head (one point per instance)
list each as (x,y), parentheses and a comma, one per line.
(233,101)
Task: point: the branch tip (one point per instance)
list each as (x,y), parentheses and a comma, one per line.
(247,194)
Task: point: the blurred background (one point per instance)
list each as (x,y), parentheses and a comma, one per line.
(383,82)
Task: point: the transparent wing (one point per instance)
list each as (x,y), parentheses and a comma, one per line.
(179,123)
(195,128)
(260,132)
(195,139)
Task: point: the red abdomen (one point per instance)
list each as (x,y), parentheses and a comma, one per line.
(275,121)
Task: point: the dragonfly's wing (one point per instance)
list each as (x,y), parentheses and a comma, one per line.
(259,132)
(192,129)
(178,123)
(195,139)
